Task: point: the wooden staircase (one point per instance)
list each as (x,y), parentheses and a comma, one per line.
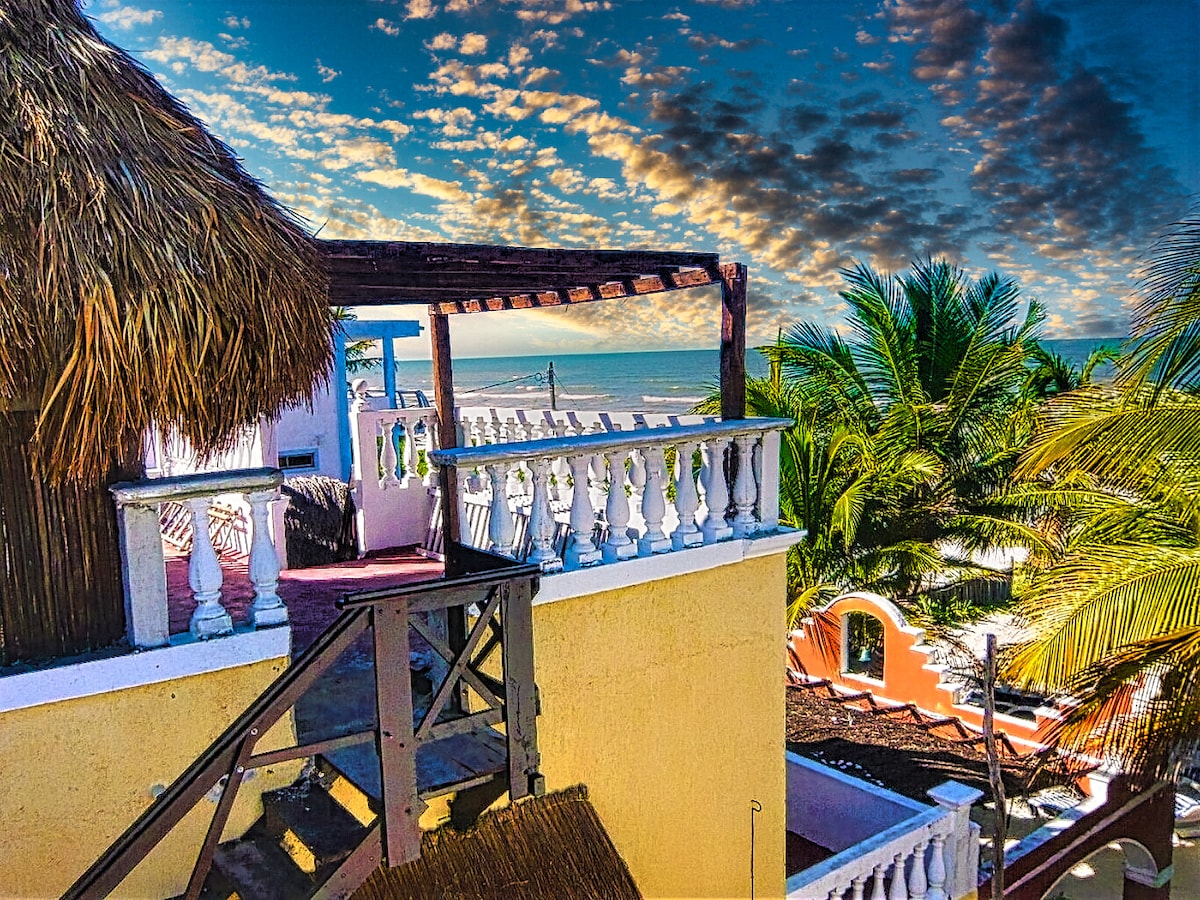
(365,785)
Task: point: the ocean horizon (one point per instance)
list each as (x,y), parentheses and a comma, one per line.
(662,381)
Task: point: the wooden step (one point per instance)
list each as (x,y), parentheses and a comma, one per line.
(452,763)
(259,869)
(310,826)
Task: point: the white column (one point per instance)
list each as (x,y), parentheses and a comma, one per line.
(716,494)
(877,891)
(616,510)
(654,504)
(743,487)
(897,890)
(541,519)
(917,882)
(409,457)
(937,868)
(205,577)
(962,849)
(144,574)
(267,609)
(464,525)
(582,550)
(431,444)
(501,529)
(387,456)
(687,501)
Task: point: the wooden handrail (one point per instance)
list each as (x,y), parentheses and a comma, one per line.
(233,752)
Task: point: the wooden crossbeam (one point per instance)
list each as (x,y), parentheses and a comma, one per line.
(461,278)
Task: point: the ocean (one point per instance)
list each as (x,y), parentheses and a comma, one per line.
(666,381)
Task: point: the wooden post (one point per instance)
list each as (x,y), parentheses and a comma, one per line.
(995,775)
(443,388)
(397,745)
(520,693)
(733,341)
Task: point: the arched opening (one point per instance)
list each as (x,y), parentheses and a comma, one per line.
(1101,876)
(862,645)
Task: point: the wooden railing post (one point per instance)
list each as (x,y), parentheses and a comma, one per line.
(520,691)
(402,806)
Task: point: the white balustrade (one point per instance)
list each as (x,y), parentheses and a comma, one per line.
(520,479)
(393,498)
(927,853)
(144,566)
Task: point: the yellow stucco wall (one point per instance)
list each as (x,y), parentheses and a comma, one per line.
(75,774)
(667,700)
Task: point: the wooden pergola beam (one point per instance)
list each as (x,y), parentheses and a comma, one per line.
(468,278)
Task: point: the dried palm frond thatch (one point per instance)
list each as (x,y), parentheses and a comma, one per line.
(543,848)
(144,276)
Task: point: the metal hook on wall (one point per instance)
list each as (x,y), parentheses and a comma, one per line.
(755,808)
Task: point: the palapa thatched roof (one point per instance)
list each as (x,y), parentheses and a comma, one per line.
(144,276)
(545,848)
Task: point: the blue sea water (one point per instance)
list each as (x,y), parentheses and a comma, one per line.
(667,381)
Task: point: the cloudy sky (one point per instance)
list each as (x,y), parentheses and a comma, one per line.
(1048,139)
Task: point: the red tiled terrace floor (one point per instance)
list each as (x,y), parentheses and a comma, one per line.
(310,594)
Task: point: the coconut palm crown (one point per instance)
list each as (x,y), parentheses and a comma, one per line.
(144,276)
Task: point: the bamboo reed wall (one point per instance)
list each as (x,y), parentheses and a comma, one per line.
(60,560)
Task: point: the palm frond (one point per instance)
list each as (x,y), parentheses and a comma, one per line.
(1140,705)
(1100,598)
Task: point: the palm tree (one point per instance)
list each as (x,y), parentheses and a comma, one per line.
(930,386)
(1116,615)
(144,278)
(1053,374)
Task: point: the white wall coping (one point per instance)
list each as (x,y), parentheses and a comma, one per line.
(869,790)
(595,579)
(185,656)
(200,484)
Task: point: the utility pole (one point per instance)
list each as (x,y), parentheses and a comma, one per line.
(550,379)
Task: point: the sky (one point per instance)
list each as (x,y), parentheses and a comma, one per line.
(1049,140)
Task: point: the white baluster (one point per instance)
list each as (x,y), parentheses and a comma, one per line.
(743,487)
(559,469)
(513,485)
(856,887)
(616,511)
(431,444)
(637,474)
(409,457)
(654,504)
(501,529)
(267,609)
(835,893)
(917,882)
(897,890)
(464,524)
(205,576)
(877,892)
(687,501)
(937,868)
(716,493)
(541,520)
(582,550)
(757,469)
(387,456)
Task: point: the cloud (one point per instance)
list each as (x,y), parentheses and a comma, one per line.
(127,17)
(391,29)
(204,57)
(420,9)
(235,22)
(327,74)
